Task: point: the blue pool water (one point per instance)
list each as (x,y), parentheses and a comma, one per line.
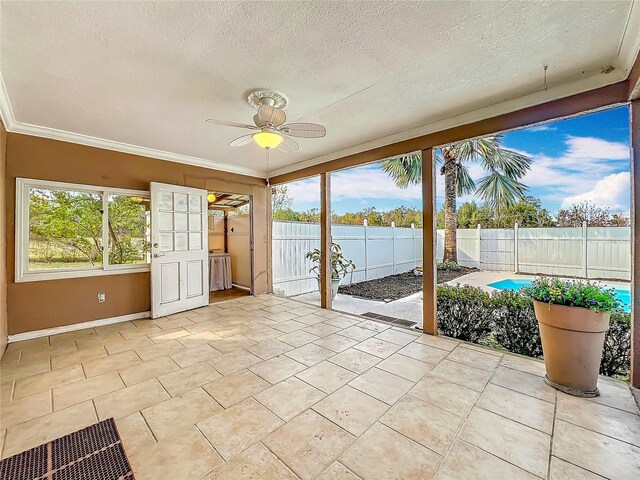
(623,294)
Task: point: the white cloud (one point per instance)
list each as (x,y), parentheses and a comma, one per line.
(613,191)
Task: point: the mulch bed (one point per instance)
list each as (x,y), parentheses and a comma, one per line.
(398,286)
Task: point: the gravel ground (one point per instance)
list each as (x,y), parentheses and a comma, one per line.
(398,286)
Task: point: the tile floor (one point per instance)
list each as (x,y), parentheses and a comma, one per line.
(270,388)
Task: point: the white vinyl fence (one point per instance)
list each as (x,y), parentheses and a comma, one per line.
(593,252)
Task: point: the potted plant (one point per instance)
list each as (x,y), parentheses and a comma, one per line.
(573,317)
(340,266)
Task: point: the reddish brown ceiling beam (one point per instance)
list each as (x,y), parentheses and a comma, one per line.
(564,107)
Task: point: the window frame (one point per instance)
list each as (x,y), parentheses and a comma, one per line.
(22,272)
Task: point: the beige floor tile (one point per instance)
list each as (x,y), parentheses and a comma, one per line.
(6,392)
(290,326)
(516,443)
(71,337)
(186,457)
(526,383)
(474,358)
(426,424)
(609,421)
(424,353)
(356,332)
(342,321)
(355,360)
(113,347)
(466,462)
(449,396)
(351,409)
(46,381)
(40,430)
(233,343)
(238,427)
(444,343)
(464,375)
(277,369)
(561,470)
(377,347)
(130,400)
(111,363)
(79,356)
(197,339)
(255,463)
(234,388)
(23,371)
(405,367)
(310,354)
(173,323)
(396,336)
(298,338)
(336,343)
(595,452)
(269,348)
(188,378)
(172,417)
(33,344)
(311,319)
(35,356)
(326,376)
(171,334)
(337,471)
(527,365)
(141,330)
(234,362)
(616,394)
(302,310)
(25,409)
(381,454)
(374,326)
(77,392)
(308,444)
(195,355)
(148,370)
(321,329)
(382,385)
(289,398)
(522,408)
(149,352)
(135,434)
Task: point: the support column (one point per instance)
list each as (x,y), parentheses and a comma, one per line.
(635,243)
(429,318)
(325,241)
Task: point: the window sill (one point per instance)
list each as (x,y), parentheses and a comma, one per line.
(52,275)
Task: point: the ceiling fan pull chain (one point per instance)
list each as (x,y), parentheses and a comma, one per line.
(266,171)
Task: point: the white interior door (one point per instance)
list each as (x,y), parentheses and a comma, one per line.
(239,246)
(179,250)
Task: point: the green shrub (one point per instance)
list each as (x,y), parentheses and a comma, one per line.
(453,266)
(515,326)
(464,312)
(573,293)
(616,355)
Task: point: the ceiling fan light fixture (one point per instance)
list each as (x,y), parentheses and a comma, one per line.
(267,139)
(211,197)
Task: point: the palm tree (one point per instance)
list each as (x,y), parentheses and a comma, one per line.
(500,188)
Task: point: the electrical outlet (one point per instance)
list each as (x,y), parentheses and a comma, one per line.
(102,297)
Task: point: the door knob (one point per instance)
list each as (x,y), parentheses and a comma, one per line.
(158,255)
(156,245)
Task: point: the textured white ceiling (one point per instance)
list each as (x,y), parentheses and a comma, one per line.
(147,74)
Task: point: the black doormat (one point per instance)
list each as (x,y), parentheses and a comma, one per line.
(93,453)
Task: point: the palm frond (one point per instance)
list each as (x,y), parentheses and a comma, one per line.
(405,170)
(466,185)
(512,164)
(500,191)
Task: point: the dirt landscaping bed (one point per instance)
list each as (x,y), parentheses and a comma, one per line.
(398,286)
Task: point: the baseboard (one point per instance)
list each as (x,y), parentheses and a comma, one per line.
(19,337)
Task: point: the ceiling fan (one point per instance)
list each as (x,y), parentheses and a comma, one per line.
(269,124)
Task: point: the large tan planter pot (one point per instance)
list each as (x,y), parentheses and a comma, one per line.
(572,341)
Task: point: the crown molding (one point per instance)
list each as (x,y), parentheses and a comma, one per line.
(13,126)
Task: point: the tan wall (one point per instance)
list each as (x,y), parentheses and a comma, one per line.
(52,303)
(3,244)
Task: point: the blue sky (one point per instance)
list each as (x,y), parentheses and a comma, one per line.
(579,159)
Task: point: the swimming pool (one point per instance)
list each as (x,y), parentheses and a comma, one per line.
(623,293)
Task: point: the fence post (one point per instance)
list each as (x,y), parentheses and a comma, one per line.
(393,226)
(478,245)
(413,245)
(584,250)
(515,248)
(366,259)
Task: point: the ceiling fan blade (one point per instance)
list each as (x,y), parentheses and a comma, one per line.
(243,140)
(288,145)
(304,130)
(271,115)
(225,123)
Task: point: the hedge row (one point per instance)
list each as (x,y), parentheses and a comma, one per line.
(506,319)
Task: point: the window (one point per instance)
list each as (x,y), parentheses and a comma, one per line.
(67,230)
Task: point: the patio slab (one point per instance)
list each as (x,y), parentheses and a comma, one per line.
(367,401)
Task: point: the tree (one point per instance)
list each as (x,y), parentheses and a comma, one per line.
(280,199)
(500,188)
(595,216)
